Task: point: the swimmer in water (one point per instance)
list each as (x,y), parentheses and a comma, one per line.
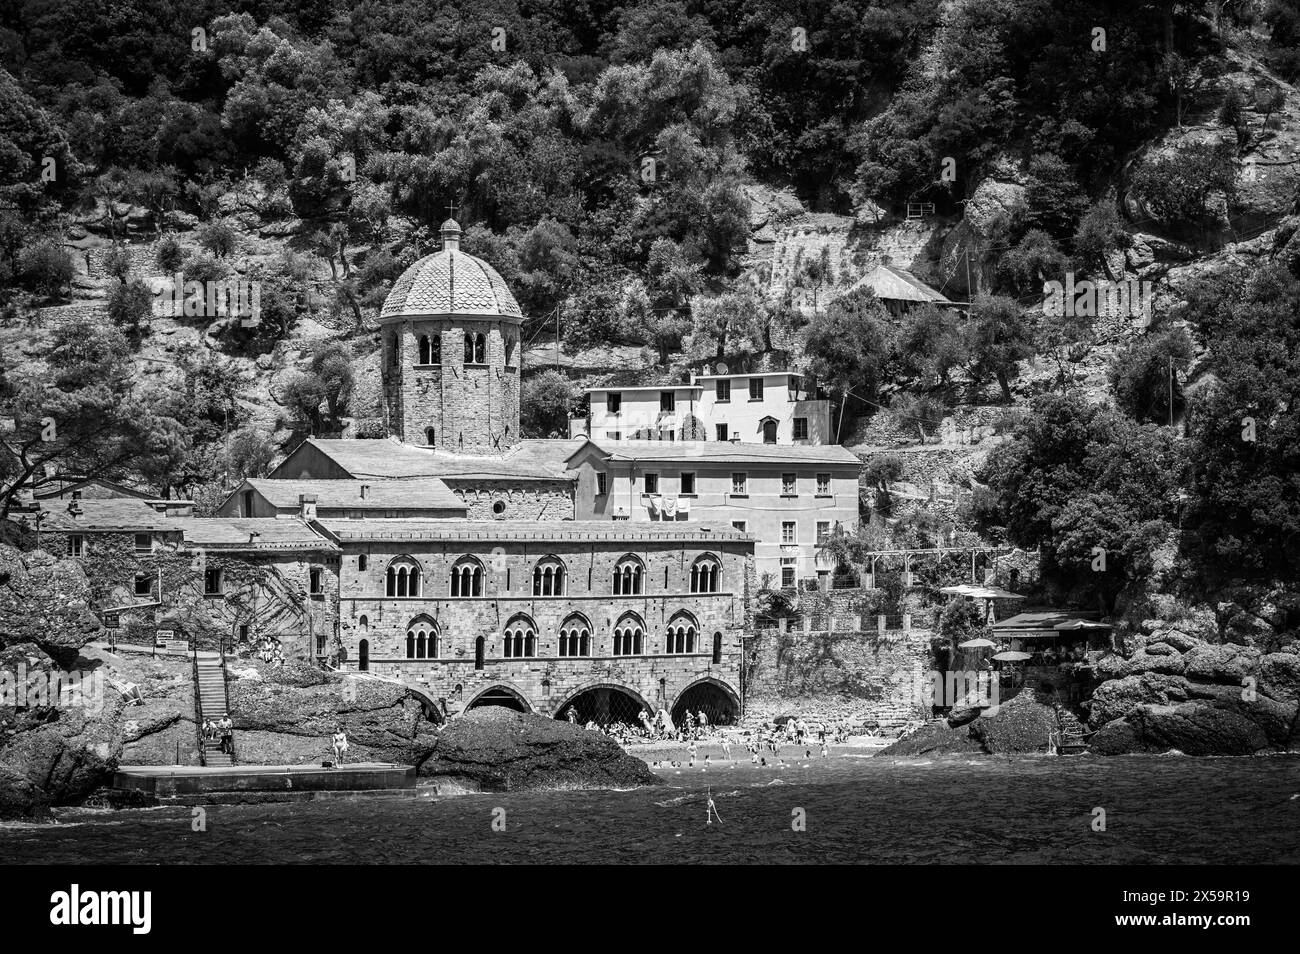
(711,811)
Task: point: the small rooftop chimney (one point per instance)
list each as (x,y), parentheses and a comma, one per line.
(74,505)
(253,536)
(307,506)
(365,491)
(76,495)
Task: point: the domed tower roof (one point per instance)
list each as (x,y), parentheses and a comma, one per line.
(452,283)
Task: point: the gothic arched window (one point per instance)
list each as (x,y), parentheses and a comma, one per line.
(402,578)
(520,638)
(422,638)
(467,577)
(706,575)
(629,636)
(628,575)
(575,636)
(681,634)
(548,577)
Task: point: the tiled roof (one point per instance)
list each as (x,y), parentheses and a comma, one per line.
(896,284)
(386,458)
(450,283)
(107,515)
(496,531)
(726,451)
(428,493)
(273,533)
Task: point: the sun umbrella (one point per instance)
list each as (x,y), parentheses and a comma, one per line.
(979,643)
(1011,655)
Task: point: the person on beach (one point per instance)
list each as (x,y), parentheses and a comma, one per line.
(726,748)
(691,750)
(825,750)
(339,745)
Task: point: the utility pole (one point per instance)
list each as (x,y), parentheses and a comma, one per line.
(557,338)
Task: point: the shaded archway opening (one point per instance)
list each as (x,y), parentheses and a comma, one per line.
(499,696)
(603,705)
(710,698)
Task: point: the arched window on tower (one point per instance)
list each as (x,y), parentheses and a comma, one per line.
(425,351)
(510,350)
(629,635)
(480,349)
(430,436)
(467,578)
(628,575)
(402,578)
(706,575)
(548,577)
(575,636)
(469,348)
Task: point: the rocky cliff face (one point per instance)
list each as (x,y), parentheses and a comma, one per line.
(492,749)
(1178,691)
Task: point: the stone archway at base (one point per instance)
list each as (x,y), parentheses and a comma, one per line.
(604,704)
(717,700)
(499,695)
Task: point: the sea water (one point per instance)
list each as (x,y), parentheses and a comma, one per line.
(1154,809)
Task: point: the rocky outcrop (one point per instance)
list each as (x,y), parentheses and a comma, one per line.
(492,749)
(287,716)
(1022,725)
(52,750)
(992,206)
(44,601)
(1177,691)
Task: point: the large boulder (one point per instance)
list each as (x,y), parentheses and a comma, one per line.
(1201,698)
(1021,725)
(56,747)
(1193,728)
(44,601)
(993,205)
(288,715)
(494,749)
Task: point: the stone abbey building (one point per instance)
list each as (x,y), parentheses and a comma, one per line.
(475,566)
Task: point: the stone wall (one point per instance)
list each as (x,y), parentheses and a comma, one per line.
(472,408)
(545,678)
(545,686)
(859,677)
(538,500)
(265,591)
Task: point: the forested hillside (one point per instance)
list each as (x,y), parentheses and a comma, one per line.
(672,184)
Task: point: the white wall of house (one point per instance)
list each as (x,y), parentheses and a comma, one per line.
(740,403)
(785,505)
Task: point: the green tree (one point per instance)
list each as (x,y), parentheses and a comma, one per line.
(998,339)
(546,404)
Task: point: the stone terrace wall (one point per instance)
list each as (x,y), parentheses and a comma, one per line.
(853,676)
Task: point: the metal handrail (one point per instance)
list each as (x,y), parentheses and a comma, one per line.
(225,684)
(198,703)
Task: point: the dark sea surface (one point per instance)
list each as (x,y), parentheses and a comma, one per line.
(1158,810)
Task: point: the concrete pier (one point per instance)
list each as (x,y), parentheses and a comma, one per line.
(186,781)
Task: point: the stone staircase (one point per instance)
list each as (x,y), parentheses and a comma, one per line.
(1072,733)
(211,690)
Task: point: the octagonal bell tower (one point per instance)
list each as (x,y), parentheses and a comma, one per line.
(451,356)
